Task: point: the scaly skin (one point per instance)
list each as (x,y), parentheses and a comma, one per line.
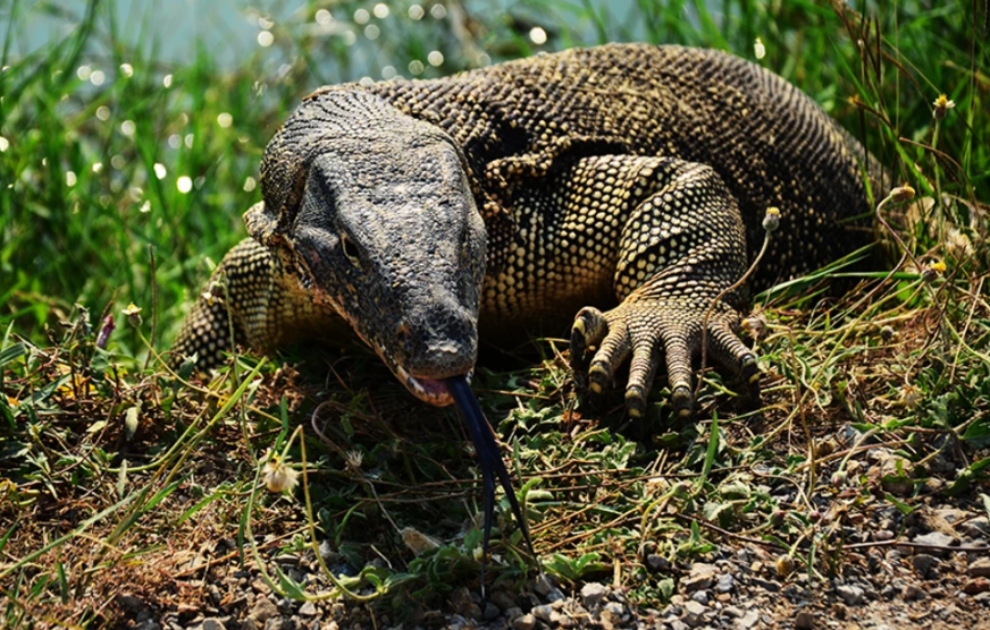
(616,190)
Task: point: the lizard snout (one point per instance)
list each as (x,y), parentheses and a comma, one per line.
(438,343)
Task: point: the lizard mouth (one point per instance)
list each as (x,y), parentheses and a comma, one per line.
(429,390)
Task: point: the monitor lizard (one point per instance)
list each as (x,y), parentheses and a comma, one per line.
(616,192)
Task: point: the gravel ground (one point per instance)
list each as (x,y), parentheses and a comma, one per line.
(925,579)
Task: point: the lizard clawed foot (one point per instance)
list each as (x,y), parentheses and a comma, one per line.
(647,331)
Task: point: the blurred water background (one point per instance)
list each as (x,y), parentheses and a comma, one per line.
(233,31)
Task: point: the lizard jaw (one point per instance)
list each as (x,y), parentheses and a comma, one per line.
(429,390)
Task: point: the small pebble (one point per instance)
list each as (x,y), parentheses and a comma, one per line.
(937,539)
(555,595)
(804,620)
(263,610)
(491,612)
(725,583)
(308,609)
(912,592)
(976,528)
(851,594)
(213,624)
(592,594)
(976,586)
(701,577)
(925,565)
(749,620)
(513,612)
(543,585)
(694,613)
(732,611)
(768,585)
(542,612)
(619,611)
(979,567)
(525,622)
(658,563)
(503,600)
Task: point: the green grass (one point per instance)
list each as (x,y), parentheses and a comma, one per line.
(104,445)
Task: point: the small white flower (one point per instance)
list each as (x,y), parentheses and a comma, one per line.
(278,477)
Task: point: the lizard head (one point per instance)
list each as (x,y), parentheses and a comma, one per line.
(373,211)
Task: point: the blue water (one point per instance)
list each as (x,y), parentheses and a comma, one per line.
(173,31)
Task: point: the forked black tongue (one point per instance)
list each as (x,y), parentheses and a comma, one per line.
(491,463)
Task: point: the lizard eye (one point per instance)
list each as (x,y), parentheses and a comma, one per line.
(350,250)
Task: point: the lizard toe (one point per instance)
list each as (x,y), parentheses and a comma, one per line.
(678,344)
(614,351)
(649,333)
(728,351)
(642,369)
(588,330)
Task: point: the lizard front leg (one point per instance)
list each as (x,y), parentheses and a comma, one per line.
(680,248)
(252,302)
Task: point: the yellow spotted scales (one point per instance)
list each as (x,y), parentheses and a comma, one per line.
(614,191)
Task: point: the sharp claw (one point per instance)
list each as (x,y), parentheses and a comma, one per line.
(579,344)
(749,369)
(597,378)
(635,401)
(682,401)
(588,330)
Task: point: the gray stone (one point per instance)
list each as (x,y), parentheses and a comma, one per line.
(732,611)
(701,577)
(936,539)
(767,585)
(263,610)
(592,594)
(543,612)
(261,587)
(694,613)
(749,620)
(308,609)
(491,612)
(212,623)
(925,565)
(851,594)
(503,599)
(618,611)
(912,592)
(525,622)
(979,567)
(542,584)
(658,563)
(560,620)
(976,528)
(555,595)
(701,597)
(725,583)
